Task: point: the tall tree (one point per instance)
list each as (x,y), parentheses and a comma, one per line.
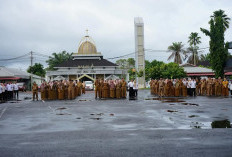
(225,18)
(177,52)
(37,69)
(218,49)
(193,41)
(58,58)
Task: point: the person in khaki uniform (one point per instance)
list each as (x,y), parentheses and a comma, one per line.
(73,91)
(177,88)
(96,84)
(203,87)
(50,91)
(209,87)
(83,88)
(123,88)
(100,91)
(61,91)
(35,91)
(105,90)
(42,90)
(79,85)
(70,89)
(225,90)
(169,87)
(112,89)
(220,86)
(184,88)
(46,91)
(151,86)
(65,90)
(161,87)
(156,85)
(213,86)
(118,89)
(216,86)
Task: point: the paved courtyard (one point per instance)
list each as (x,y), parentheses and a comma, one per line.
(148,126)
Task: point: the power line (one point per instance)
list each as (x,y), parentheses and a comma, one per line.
(14,57)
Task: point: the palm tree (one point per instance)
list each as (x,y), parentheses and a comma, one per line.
(194,57)
(177,52)
(225,18)
(194,39)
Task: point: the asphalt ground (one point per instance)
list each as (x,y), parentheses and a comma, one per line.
(148,126)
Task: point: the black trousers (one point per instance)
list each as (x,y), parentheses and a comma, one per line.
(193,91)
(16,93)
(131,92)
(136,92)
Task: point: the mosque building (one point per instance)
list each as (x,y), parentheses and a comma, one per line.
(86,64)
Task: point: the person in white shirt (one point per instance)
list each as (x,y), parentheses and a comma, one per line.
(131,90)
(189,87)
(1,95)
(16,90)
(193,87)
(9,88)
(135,88)
(230,87)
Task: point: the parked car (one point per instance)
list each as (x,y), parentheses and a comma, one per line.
(88,85)
(22,86)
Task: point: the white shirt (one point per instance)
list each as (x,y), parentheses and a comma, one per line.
(9,87)
(189,84)
(16,87)
(135,86)
(230,86)
(130,84)
(193,84)
(3,88)
(0,89)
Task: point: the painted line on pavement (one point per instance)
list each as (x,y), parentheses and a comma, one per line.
(3,111)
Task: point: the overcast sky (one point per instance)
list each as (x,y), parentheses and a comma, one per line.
(48,26)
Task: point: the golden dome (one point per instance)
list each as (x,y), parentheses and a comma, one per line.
(87,46)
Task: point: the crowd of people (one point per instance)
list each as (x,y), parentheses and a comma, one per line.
(9,91)
(190,87)
(59,90)
(114,88)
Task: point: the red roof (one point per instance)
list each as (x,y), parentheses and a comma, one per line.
(228,73)
(9,78)
(200,74)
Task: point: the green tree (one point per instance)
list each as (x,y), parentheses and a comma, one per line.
(194,39)
(122,63)
(37,69)
(218,49)
(131,62)
(177,52)
(172,70)
(225,19)
(58,58)
(194,55)
(205,57)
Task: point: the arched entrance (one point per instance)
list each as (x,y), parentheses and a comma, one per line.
(85,77)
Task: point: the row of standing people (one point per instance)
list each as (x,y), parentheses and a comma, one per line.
(190,87)
(110,89)
(59,90)
(9,91)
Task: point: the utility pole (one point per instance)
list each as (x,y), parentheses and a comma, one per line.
(31,53)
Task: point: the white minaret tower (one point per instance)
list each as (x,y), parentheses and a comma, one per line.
(139,50)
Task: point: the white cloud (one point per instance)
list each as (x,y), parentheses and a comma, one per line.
(48,26)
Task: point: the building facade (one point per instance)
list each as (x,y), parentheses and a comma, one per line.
(87,64)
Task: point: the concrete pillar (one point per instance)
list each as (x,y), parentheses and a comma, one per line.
(139,50)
